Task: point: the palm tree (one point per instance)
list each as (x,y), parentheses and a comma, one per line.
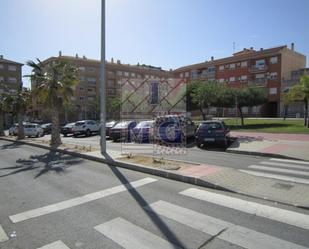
(53,86)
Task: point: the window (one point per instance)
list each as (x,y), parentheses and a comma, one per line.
(244,64)
(273,60)
(181,75)
(194,74)
(243,77)
(211,69)
(12,68)
(139,76)
(90,98)
(1,66)
(221,68)
(260,76)
(81,98)
(82,78)
(91,69)
(232,110)
(90,89)
(111,92)
(204,73)
(91,80)
(256,109)
(221,80)
(119,73)
(245,110)
(126,74)
(82,69)
(133,75)
(232,79)
(111,83)
(111,73)
(232,66)
(187,74)
(273,90)
(81,89)
(12,80)
(154,93)
(260,63)
(273,75)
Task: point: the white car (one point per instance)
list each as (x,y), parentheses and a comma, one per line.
(13,130)
(33,130)
(85,127)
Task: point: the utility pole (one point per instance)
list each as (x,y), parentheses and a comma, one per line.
(102,83)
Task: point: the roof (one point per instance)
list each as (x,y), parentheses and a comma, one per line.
(11,62)
(241,55)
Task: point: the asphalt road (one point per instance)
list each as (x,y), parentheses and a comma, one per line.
(55,201)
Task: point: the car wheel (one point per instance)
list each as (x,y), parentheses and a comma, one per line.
(65,135)
(225,143)
(199,145)
(37,135)
(88,133)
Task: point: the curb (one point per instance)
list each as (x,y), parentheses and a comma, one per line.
(154,171)
(135,167)
(263,154)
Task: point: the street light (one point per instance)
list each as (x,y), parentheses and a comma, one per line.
(102,83)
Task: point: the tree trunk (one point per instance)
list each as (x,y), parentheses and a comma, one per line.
(306,113)
(241,116)
(285,112)
(203,113)
(21,132)
(1,123)
(55,132)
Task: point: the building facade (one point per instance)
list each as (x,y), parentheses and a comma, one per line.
(10,80)
(85,102)
(264,68)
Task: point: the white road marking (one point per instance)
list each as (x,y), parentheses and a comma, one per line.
(130,236)
(279,177)
(288,171)
(229,232)
(272,213)
(289,161)
(293,166)
(78,200)
(55,245)
(3,236)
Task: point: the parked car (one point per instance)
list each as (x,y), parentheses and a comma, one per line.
(46,128)
(212,132)
(33,130)
(143,132)
(85,127)
(13,130)
(122,131)
(109,126)
(173,129)
(67,129)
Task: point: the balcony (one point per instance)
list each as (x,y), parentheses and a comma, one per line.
(258,82)
(258,68)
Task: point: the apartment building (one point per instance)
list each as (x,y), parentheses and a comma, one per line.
(10,80)
(249,67)
(86,95)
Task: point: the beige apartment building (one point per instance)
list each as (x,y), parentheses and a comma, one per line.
(86,95)
(263,67)
(10,80)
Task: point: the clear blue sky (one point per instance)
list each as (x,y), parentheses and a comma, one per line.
(166,33)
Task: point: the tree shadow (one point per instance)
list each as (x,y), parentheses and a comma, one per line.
(154,217)
(49,162)
(258,126)
(10,146)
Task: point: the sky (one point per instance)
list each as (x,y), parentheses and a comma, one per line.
(165,33)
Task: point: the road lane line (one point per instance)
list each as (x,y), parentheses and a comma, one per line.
(289,161)
(229,232)
(3,236)
(288,171)
(130,236)
(78,200)
(274,176)
(55,245)
(293,166)
(272,213)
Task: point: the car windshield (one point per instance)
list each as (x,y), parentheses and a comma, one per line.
(110,124)
(145,124)
(69,125)
(211,126)
(80,123)
(122,124)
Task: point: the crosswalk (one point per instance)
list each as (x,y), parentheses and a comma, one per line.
(281,169)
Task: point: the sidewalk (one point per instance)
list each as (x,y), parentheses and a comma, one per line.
(210,176)
(286,145)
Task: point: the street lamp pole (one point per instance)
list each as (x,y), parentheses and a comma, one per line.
(102,82)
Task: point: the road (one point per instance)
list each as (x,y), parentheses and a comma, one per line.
(55,201)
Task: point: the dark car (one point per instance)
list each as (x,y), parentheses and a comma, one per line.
(67,129)
(109,126)
(46,128)
(173,129)
(143,132)
(122,131)
(215,132)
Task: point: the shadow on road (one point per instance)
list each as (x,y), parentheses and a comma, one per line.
(13,145)
(155,218)
(49,162)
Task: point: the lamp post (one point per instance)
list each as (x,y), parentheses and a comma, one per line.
(102,83)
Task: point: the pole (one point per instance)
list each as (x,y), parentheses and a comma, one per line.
(102,82)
